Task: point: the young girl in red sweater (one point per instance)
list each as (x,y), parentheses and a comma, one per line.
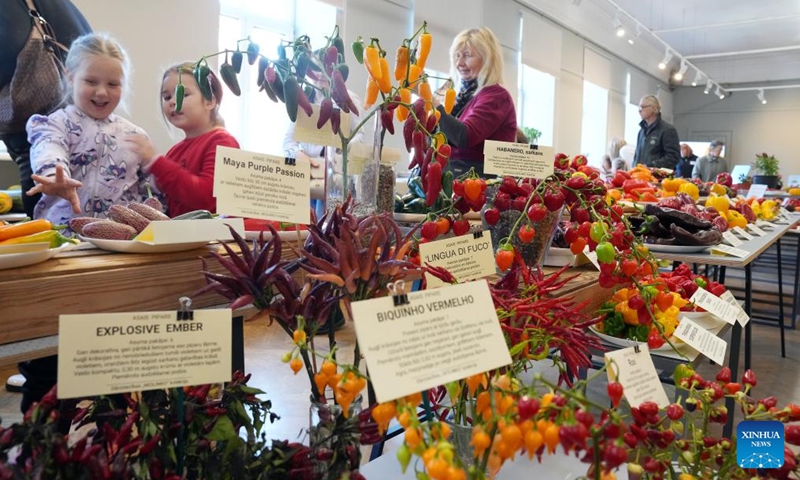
(186,173)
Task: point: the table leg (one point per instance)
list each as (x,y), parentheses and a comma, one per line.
(733,364)
(237,350)
(748,329)
(721,274)
(780,301)
(796,282)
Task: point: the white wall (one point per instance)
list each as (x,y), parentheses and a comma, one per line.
(753,127)
(156,34)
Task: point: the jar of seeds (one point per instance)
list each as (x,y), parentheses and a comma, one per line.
(387,176)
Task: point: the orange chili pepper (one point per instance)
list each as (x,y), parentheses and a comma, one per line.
(372,62)
(414,73)
(385,82)
(401,63)
(449,100)
(425,41)
(372,92)
(402,110)
(426,93)
(24,228)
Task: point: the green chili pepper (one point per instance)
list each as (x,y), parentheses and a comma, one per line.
(228,75)
(252,52)
(290,91)
(447,183)
(415,206)
(398,203)
(358,50)
(344,70)
(415,187)
(201,77)
(236,61)
(639,332)
(700,282)
(263,63)
(339,44)
(301,65)
(613,324)
(179,92)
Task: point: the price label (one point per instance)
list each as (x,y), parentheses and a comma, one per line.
(736,252)
(633,367)
(764,224)
(592,256)
(731,238)
(741,231)
(701,340)
(715,305)
(755,229)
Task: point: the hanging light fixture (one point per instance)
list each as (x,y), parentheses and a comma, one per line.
(679,74)
(618,26)
(697,78)
(761,96)
(719,92)
(708,87)
(665,61)
(638,33)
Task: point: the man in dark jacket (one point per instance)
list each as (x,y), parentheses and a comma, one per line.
(67,24)
(657,145)
(686,163)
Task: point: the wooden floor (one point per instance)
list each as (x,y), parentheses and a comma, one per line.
(289,394)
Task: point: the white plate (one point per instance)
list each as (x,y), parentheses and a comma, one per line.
(13,217)
(130,246)
(286,236)
(14,260)
(703,319)
(419,217)
(655,247)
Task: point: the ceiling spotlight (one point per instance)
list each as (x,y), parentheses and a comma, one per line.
(665,61)
(708,87)
(638,33)
(697,78)
(761,96)
(618,26)
(679,74)
(719,93)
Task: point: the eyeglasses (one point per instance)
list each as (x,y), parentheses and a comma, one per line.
(642,107)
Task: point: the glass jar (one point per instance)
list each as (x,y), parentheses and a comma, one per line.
(354,171)
(334,440)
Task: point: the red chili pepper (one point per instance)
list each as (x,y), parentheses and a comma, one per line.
(325,110)
(408,131)
(387,120)
(336,120)
(434,183)
(302,101)
(150,444)
(426,163)
(330,60)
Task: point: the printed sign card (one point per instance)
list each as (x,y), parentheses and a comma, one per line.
(701,340)
(441,335)
(256,185)
(466,257)
(634,369)
(306,131)
(736,252)
(756,191)
(714,305)
(764,224)
(592,256)
(754,228)
(107,353)
(186,231)
(518,159)
(741,231)
(742,317)
(729,237)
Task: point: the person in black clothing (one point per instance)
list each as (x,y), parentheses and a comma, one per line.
(686,163)
(657,145)
(67,24)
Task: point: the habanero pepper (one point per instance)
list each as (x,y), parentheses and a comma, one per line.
(373,62)
(401,63)
(433,182)
(291,89)
(425,41)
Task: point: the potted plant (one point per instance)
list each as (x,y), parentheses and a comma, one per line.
(768,166)
(532,134)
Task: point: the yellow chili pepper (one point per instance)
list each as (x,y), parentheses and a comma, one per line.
(449,100)
(414,73)
(372,92)
(24,228)
(401,63)
(385,82)
(372,62)
(736,219)
(53,237)
(402,110)
(425,41)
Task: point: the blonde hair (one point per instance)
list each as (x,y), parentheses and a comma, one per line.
(85,46)
(485,44)
(213,83)
(614,146)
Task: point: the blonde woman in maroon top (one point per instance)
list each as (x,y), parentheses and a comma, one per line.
(484,109)
(186,173)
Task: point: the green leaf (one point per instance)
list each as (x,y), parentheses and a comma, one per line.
(223,429)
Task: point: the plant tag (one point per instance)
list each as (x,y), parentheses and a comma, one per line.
(714,305)
(731,238)
(764,224)
(518,159)
(357,158)
(256,185)
(439,336)
(105,353)
(756,191)
(736,252)
(466,257)
(742,317)
(741,231)
(306,131)
(592,256)
(188,231)
(701,340)
(637,374)
(755,229)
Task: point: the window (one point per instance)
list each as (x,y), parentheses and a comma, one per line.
(537,96)
(258,123)
(595,123)
(632,117)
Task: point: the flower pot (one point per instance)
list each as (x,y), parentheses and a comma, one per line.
(771,181)
(334,439)
(354,172)
(534,251)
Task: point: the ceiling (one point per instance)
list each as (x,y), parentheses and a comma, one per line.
(718,37)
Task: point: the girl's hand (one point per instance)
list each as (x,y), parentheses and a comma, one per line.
(61,186)
(142,146)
